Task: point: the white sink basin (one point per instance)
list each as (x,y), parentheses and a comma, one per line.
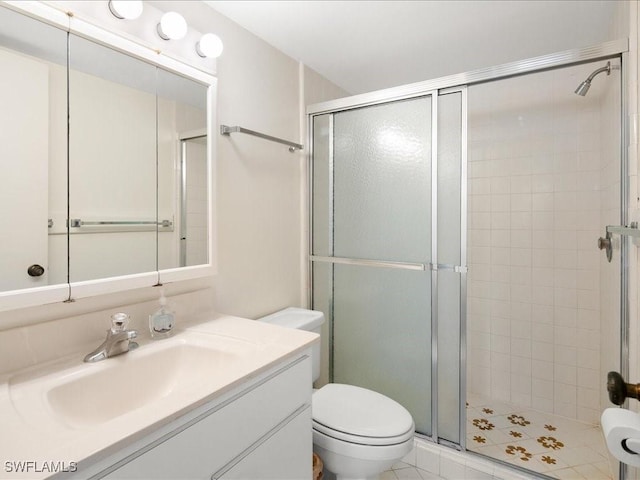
(137,381)
(177,370)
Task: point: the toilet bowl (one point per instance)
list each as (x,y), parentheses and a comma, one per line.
(358,433)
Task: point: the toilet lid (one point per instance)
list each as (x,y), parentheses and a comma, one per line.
(356,411)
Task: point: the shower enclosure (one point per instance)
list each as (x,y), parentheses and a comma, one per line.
(543,301)
(502,353)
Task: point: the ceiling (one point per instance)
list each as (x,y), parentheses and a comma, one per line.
(368,45)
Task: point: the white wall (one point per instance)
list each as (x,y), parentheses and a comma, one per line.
(260,185)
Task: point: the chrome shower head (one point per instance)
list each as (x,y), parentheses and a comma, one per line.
(583,88)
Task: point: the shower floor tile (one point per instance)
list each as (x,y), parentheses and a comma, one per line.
(545,443)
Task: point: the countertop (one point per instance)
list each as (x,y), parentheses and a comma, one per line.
(35,441)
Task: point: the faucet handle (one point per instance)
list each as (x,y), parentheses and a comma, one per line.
(119,322)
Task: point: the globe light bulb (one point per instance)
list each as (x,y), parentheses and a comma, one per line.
(172,26)
(126,9)
(209,46)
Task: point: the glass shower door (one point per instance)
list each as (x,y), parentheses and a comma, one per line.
(376,196)
(372,225)
(382,212)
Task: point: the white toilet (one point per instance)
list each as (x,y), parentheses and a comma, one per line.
(357,433)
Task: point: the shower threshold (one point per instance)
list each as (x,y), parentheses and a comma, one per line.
(550,444)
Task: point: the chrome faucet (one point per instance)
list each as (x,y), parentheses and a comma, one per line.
(118,340)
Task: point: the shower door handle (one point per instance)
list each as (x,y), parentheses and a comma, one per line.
(390,264)
(447,266)
(362,262)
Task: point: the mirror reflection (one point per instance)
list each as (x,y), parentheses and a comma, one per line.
(33,150)
(121,188)
(112,163)
(182,170)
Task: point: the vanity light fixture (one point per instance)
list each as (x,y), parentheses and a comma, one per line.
(125,9)
(172,26)
(209,46)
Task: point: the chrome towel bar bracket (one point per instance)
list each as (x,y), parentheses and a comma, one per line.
(604,243)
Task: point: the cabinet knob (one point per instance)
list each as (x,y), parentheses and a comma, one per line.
(35,270)
(619,390)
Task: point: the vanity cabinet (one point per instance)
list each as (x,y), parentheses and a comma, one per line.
(260,430)
(279,456)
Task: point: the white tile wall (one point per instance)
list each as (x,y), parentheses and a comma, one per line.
(540,188)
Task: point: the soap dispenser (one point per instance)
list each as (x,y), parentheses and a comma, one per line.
(162,321)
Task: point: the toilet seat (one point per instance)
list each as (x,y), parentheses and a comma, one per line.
(362,440)
(360,416)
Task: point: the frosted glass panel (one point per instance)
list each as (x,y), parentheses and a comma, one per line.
(449,172)
(382,179)
(382,335)
(449,355)
(322,301)
(322,186)
(450,159)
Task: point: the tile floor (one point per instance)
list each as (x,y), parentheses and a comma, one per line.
(399,471)
(404,471)
(545,443)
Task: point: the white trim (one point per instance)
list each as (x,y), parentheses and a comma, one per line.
(40,11)
(170,275)
(91,32)
(32,297)
(91,288)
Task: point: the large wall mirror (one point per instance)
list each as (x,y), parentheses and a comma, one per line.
(106,166)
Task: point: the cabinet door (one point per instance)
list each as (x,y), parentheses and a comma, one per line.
(24,142)
(284,455)
(227,431)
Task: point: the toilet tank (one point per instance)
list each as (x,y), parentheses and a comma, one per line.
(302,319)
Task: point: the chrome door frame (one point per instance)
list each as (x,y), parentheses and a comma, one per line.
(520,67)
(625,135)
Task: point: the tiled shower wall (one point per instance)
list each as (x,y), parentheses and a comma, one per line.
(537,187)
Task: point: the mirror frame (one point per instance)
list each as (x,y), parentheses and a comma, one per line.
(29,297)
